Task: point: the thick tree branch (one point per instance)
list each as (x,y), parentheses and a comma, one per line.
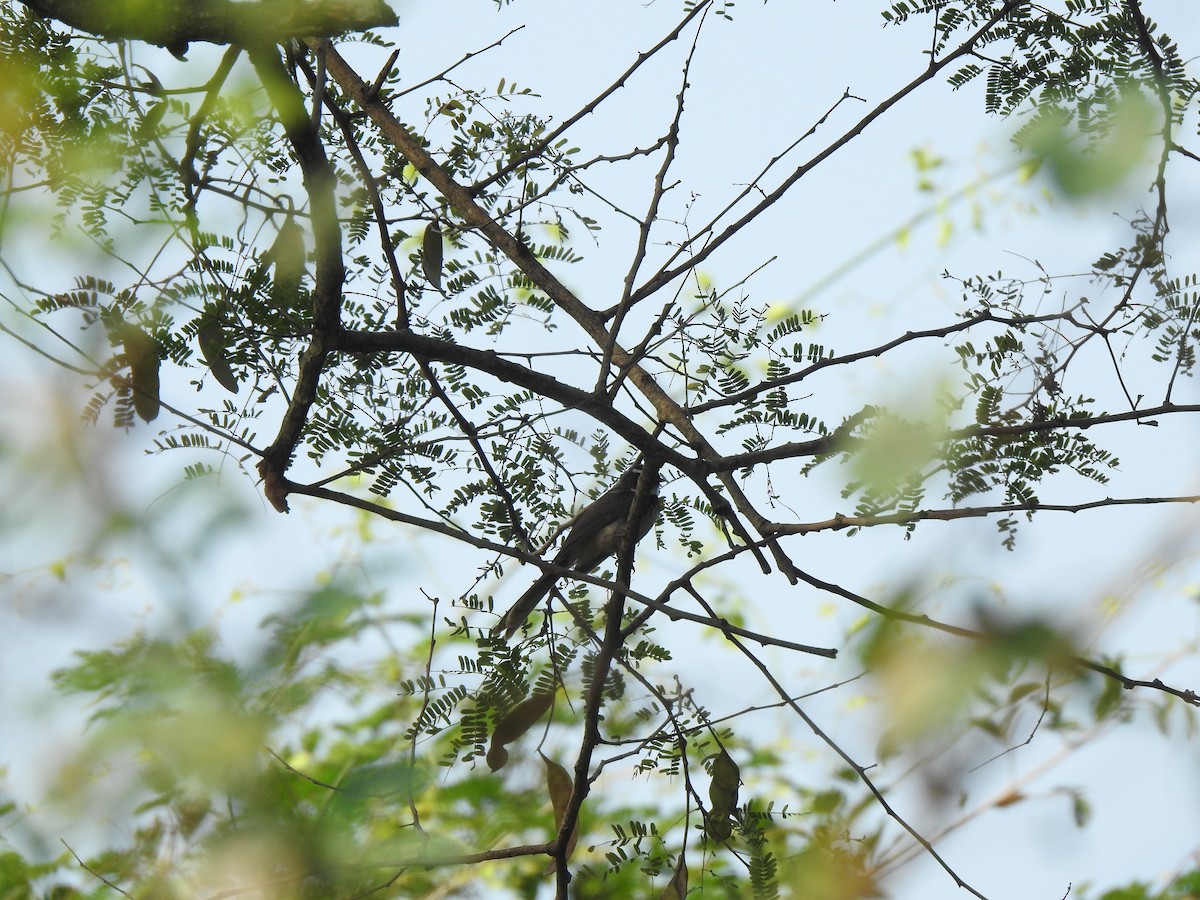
(600,408)
(473,215)
(174,23)
(320,182)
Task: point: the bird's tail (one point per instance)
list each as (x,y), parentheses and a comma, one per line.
(512,621)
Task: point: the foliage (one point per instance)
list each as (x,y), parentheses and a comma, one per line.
(374,272)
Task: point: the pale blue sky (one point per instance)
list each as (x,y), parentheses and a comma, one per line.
(757,84)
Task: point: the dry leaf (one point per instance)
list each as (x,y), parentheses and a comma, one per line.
(148,127)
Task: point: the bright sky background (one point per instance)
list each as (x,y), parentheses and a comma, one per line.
(757,84)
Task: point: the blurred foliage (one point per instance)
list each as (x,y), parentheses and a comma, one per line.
(237,777)
(352,755)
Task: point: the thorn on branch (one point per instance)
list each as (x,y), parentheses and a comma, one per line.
(377,84)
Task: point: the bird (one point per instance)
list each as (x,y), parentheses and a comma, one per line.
(596,535)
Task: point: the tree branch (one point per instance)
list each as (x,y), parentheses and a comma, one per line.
(320,182)
(839,521)
(667,274)
(174,23)
(473,215)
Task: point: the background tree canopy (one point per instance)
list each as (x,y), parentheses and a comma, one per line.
(260,239)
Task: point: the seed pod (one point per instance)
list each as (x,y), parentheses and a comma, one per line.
(288,255)
(515,723)
(676,889)
(431,254)
(142,354)
(212,344)
(723,795)
(153,117)
(496,757)
(560,788)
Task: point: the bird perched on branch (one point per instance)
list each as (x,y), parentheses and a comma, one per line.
(597,534)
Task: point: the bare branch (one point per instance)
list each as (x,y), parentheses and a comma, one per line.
(668,274)
(840,522)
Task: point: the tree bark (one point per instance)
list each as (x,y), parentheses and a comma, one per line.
(173,23)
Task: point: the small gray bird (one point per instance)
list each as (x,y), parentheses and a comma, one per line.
(594,537)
